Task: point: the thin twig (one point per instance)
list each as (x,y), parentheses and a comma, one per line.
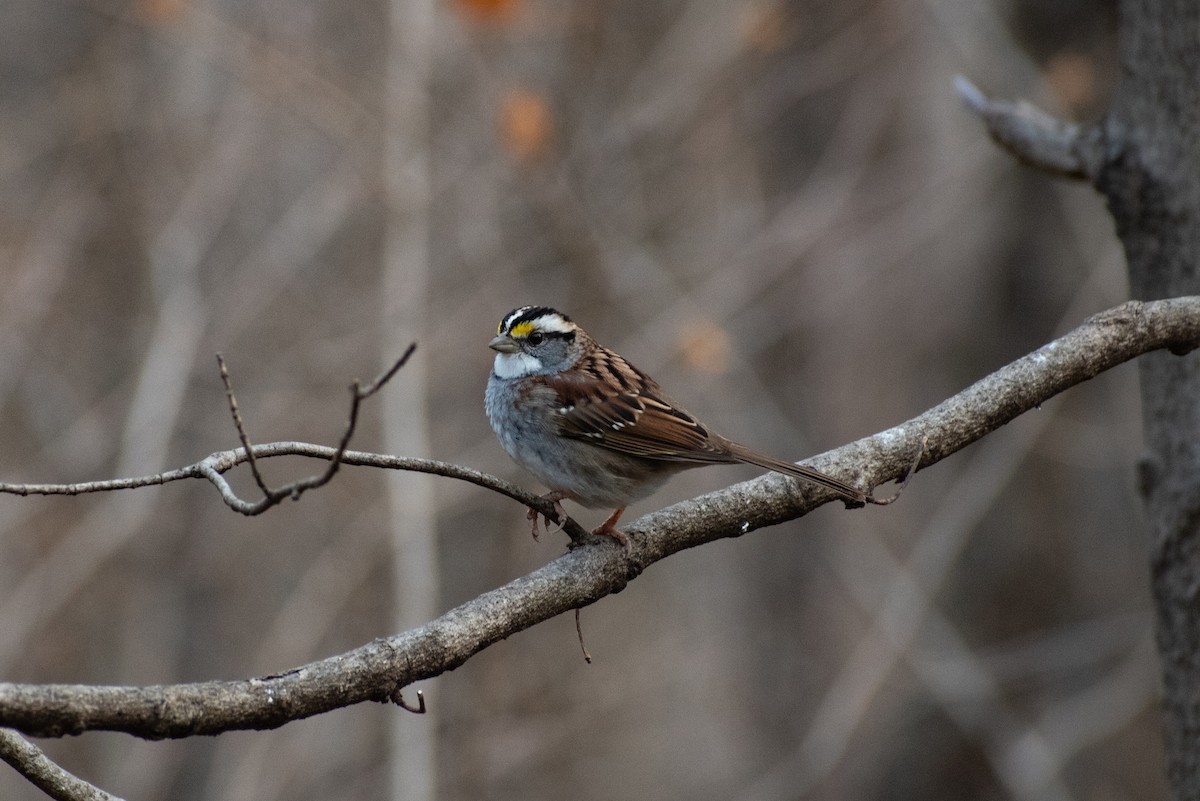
(214,466)
(579,633)
(419,709)
(357,396)
(387,375)
(241,428)
(44,774)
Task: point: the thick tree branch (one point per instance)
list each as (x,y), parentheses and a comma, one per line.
(1035,138)
(32,763)
(379,670)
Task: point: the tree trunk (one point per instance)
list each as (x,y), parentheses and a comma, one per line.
(1151,176)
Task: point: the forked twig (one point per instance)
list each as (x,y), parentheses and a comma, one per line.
(294,490)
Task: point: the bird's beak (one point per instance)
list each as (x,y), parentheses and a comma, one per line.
(504,344)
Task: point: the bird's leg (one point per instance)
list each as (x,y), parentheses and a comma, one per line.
(555,498)
(609,529)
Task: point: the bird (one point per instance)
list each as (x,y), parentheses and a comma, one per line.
(597,430)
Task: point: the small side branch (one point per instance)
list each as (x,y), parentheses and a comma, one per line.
(1036,138)
(236,413)
(32,763)
(419,709)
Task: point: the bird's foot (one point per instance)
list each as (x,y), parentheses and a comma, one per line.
(609,529)
(555,498)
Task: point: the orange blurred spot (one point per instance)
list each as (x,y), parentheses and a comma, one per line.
(487,10)
(1072,78)
(705,346)
(160,10)
(764,28)
(525,123)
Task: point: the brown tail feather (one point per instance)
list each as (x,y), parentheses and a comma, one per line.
(744,454)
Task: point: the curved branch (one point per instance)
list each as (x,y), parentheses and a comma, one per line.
(378,670)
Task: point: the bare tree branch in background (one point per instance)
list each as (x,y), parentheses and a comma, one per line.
(379,670)
(1035,138)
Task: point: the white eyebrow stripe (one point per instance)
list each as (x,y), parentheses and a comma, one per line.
(552,324)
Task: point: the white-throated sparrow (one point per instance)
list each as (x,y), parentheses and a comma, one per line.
(594,428)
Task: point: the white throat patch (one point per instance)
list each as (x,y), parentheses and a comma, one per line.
(515,365)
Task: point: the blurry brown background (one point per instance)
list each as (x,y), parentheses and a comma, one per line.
(779,209)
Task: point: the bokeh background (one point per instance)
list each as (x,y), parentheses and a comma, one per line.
(780,209)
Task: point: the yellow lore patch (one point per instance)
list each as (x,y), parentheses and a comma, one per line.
(522,329)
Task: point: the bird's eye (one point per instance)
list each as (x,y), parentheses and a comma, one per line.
(535,338)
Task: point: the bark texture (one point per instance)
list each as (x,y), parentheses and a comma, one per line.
(1152,180)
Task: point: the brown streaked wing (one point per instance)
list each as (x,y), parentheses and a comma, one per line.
(628,412)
